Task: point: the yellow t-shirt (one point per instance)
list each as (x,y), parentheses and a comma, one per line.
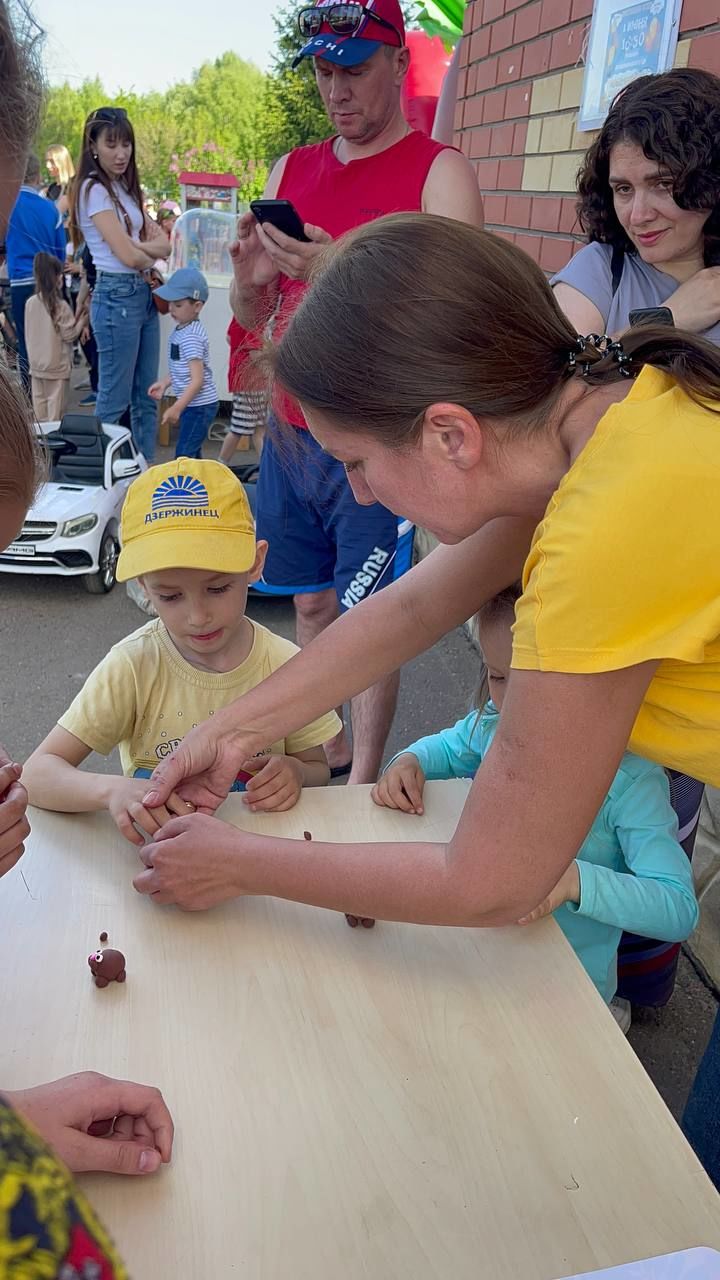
(144,697)
(625,568)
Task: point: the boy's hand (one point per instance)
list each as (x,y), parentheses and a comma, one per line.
(128,811)
(157,390)
(276,786)
(401,786)
(171,416)
(567,889)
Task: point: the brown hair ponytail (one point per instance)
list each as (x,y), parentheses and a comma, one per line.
(416,309)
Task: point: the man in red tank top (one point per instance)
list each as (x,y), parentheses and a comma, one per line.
(326,549)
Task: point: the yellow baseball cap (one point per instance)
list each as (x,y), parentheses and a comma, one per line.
(186,514)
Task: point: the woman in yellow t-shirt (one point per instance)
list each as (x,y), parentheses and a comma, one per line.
(433,360)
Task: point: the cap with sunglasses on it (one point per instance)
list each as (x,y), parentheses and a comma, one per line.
(106,115)
(348,34)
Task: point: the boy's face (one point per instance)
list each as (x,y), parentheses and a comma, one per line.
(185,310)
(204,611)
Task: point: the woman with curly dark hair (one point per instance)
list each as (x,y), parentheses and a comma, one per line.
(650,203)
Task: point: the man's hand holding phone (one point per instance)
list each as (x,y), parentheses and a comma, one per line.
(292,257)
(253,268)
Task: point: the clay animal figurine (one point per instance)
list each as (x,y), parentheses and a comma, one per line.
(107,966)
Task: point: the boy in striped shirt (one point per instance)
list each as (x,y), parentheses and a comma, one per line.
(196,397)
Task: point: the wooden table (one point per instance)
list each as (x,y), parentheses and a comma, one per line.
(404,1104)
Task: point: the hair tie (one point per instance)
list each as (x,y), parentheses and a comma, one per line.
(603,347)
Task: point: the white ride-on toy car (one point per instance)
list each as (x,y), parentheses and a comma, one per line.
(72,528)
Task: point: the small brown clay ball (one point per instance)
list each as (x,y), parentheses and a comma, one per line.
(103,937)
(306,835)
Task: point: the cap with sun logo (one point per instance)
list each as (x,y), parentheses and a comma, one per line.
(187,514)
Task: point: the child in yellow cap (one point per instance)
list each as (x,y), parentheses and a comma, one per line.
(188,535)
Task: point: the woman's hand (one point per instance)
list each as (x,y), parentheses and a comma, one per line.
(401,786)
(567,889)
(193,863)
(695,305)
(128,812)
(293,257)
(203,768)
(99,1125)
(14,825)
(276,786)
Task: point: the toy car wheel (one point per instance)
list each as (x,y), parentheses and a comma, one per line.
(99,583)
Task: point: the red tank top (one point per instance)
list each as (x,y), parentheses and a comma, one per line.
(338,197)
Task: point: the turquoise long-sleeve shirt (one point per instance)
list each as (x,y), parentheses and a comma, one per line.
(634,875)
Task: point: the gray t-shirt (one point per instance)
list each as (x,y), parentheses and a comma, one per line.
(590,272)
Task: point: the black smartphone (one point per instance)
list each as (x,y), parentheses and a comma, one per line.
(282,214)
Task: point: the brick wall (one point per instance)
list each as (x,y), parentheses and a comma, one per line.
(518,95)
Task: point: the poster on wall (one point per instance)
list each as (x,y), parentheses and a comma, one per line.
(628,38)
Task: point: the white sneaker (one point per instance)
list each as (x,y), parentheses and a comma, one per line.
(621,1011)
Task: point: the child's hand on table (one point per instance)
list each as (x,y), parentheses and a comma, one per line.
(276,786)
(128,812)
(401,786)
(567,889)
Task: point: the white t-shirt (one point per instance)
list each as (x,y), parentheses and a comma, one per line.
(95,199)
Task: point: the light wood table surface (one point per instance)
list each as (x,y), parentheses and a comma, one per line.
(404,1103)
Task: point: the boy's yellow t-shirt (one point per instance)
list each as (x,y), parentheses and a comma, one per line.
(144,697)
(625,568)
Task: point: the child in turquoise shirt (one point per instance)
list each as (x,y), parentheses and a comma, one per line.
(630,873)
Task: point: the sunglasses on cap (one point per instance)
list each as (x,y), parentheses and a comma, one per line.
(106,115)
(342,19)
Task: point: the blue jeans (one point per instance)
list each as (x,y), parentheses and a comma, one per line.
(19,294)
(701,1122)
(127,332)
(194,424)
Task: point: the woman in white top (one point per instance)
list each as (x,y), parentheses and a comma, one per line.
(107,212)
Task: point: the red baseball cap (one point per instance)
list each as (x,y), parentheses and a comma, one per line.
(382,23)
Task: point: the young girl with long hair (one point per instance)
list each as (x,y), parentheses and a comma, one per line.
(50,330)
(61,172)
(107,212)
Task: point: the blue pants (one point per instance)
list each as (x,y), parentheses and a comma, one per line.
(318,535)
(701,1122)
(19,294)
(127,333)
(194,424)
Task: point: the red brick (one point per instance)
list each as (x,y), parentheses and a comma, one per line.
(536,58)
(555,13)
(520,138)
(471,82)
(479,144)
(699,13)
(517,211)
(581,9)
(459,112)
(567,46)
(513,4)
(479,44)
(510,175)
(462,84)
(517,101)
(502,140)
(464,53)
(509,66)
(530,244)
(527,23)
(545,213)
(555,254)
(568,217)
(495,209)
(705,52)
(493,9)
(469,18)
(494,107)
(504,235)
(486,75)
(465,140)
(473,112)
(487,174)
(501,33)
